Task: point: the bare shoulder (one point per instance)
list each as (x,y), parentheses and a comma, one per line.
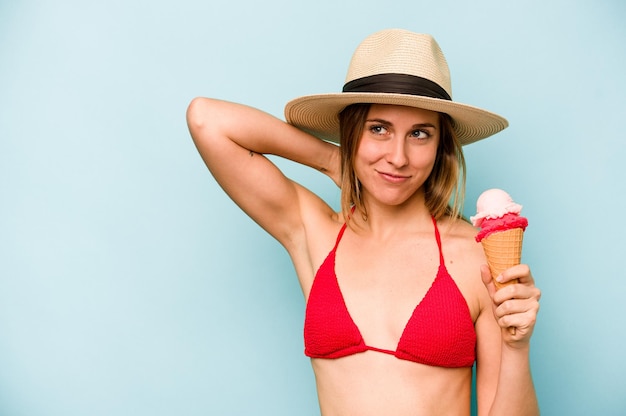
(459,240)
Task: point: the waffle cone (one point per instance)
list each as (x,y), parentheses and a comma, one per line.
(503,250)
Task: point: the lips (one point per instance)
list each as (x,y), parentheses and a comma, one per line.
(393,177)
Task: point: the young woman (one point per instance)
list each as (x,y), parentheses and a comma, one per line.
(400,304)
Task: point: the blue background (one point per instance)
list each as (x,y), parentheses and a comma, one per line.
(131,285)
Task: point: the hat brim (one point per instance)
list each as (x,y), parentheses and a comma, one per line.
(319,114)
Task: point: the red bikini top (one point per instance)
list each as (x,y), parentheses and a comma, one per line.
(439,333)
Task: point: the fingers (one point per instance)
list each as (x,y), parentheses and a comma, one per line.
(516,274)
(517,312)
(515,306)
(520,272)
(516,291)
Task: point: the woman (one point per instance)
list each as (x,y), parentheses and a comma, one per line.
(399,302)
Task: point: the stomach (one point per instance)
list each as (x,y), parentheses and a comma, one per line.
(373,383)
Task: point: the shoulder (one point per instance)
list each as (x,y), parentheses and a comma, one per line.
(459,239)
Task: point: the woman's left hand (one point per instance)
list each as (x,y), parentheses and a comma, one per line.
(515,305)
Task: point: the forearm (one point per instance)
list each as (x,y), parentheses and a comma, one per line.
(515,393)
(259,132)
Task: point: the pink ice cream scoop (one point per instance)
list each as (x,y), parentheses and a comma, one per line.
(496,211)
(502,231)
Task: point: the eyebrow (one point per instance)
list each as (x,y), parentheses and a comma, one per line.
(388,123)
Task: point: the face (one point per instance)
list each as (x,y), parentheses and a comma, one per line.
(396,152)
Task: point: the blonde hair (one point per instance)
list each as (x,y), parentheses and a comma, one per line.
(444,188)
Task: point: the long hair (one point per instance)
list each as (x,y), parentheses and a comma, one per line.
(445,186)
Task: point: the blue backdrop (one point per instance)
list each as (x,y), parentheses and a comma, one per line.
(131,285)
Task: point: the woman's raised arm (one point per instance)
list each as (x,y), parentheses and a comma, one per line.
(232,139)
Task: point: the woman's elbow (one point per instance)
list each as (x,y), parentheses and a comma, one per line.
(198,113)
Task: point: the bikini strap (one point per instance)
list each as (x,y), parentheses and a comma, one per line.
(438,237)
(343,229)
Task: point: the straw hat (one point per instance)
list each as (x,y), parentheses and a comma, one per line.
(394,67)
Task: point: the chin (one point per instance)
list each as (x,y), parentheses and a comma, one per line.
(394,200)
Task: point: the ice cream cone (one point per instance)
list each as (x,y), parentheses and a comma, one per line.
(503,250)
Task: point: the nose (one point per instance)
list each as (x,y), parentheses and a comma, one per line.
(396,153)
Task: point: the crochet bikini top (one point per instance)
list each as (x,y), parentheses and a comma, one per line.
(439,333)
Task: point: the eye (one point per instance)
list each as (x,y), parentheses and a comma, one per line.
(420,134)
(378,129)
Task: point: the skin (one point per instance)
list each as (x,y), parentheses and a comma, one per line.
(380,276)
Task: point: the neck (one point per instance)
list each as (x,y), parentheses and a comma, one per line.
(389,220)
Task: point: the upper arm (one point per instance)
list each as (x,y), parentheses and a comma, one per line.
(488,354)
(225,134)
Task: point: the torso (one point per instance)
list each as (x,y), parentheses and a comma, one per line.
(380,288)
(438,331)
(372,384)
